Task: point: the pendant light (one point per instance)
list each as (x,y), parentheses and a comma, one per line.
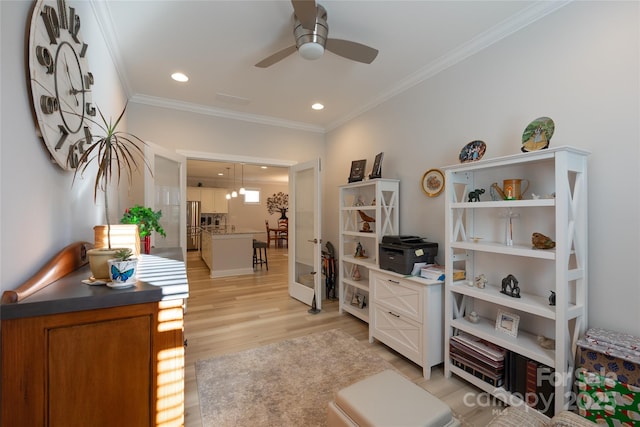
(242,190)
(234,193)
(228,195)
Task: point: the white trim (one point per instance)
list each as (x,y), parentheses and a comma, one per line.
(233,158)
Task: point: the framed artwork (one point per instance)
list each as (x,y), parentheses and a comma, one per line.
(433,182)
(357,170)
(376,172)
(507,323)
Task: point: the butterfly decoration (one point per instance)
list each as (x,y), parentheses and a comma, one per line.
(121,276)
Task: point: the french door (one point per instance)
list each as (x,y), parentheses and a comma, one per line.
(305,246)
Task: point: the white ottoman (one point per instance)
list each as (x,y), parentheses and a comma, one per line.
(387,399)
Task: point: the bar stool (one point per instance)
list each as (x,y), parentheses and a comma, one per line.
(260,254)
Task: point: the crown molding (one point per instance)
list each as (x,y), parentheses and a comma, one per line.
(220,112)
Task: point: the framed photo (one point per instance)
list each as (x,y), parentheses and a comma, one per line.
(376,172)
(357,170)
(507,323)
(433,182)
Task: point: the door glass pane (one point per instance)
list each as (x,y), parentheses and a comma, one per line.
(166,174)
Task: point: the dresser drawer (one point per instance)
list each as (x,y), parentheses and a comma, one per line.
(401,334)
(399,296)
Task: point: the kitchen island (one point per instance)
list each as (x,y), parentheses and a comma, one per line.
(228,251)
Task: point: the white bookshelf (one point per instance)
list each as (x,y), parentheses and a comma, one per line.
(476,242)
(376,198)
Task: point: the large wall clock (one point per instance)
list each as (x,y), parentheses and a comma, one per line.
(60,81)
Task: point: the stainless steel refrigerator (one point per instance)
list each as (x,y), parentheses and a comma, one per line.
(193,226)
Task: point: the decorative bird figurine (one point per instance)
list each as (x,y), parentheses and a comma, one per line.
(365,217)
(540,241)
(547,343)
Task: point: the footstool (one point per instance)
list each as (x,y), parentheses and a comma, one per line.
(387,399)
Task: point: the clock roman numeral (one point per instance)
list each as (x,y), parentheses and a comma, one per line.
(63,136)
(62,12)
(88,80)
(88,139)
(74,24)
(72,157)
(48,104)
(51,23)
(90,109)
(44,58)
(83,50)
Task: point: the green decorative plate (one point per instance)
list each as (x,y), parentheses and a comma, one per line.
(537,134)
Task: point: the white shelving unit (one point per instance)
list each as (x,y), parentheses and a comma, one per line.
(376,198)
(476,241)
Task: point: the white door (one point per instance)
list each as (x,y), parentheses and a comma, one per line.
(305,246)
(163,191)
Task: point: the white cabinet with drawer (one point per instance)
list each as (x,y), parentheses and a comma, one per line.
(406,315)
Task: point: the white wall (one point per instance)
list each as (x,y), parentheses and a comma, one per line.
(203,133)
(40,211)
(578,66)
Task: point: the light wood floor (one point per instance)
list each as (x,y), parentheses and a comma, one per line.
(227,315)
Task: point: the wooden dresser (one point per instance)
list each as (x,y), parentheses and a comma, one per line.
(79,355)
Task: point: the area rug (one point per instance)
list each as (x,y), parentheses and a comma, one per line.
(288,383)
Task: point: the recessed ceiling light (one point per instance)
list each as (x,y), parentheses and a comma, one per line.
(263,167)
(317,106)
(179,77)
(220,174)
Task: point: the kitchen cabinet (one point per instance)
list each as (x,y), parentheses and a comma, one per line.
(377,200)
(213,200)
(193,194)
(406,315)
(494,238)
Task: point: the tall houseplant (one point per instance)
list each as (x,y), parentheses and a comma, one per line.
(147,221)
(115,153)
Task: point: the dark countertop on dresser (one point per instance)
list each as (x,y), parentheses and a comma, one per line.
(161,276)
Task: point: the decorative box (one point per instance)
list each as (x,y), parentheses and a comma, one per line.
(608,378)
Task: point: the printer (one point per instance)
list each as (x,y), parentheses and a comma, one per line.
(400,253)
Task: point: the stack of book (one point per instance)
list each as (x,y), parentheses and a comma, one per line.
(480,358)
(531,381)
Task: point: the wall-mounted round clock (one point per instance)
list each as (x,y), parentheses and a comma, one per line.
(60,81)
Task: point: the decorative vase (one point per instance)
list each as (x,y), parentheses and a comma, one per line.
(283,214)
(123,272)
(147,244)
(99,262)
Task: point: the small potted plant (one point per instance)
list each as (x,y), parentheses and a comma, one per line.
(122,268)
(115,153)
(147,221)
(279,202)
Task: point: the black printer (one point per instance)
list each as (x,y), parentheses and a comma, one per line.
(399,253)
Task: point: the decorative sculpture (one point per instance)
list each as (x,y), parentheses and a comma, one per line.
(359,251)
(510,286)
(366,227)
(552,298)
(481,281)
(474,196)
(547,343)
(540,241)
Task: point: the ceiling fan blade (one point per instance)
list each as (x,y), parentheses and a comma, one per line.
(305,11)
(278,56)
(352,50)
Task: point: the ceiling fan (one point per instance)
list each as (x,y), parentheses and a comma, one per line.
(311,34)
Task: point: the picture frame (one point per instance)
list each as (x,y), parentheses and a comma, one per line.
(376,172)
(433,182)
(507,323)
(357,170)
